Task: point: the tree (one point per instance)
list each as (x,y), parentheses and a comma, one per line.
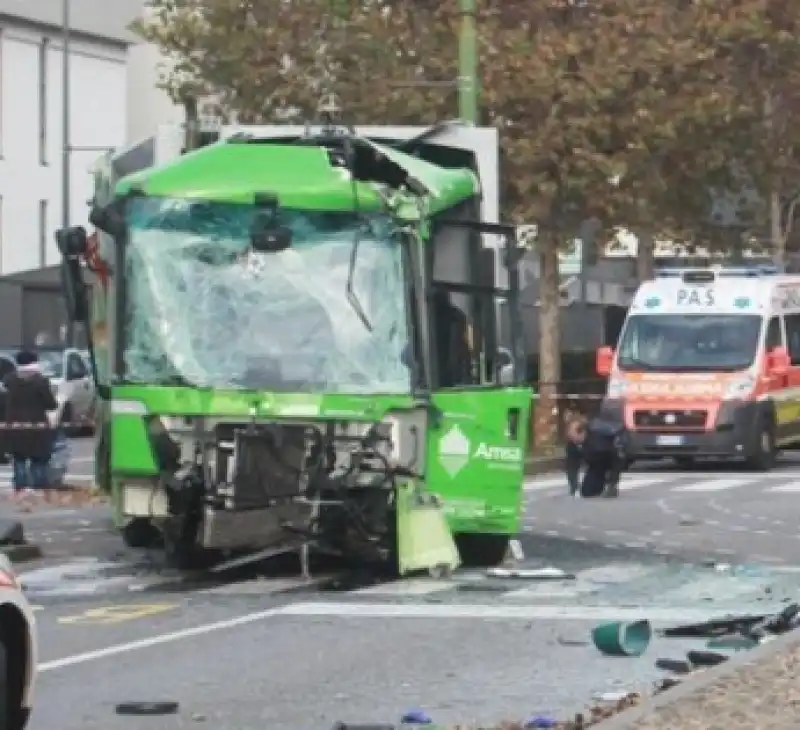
(266,61)
(755,46)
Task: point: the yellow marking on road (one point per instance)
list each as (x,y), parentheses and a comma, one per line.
(117,614)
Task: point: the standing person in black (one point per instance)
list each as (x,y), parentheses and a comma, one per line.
(30,436)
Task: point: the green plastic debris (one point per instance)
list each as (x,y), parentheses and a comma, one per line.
(732,643)
(621,639)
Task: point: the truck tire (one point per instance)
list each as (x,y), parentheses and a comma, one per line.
(762,457)
(480,550)
(70,429)
(684,462)
(141,533)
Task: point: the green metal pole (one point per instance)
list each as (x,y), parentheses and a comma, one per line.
(468,63)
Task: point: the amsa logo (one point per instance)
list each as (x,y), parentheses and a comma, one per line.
(507,454)
(456,451)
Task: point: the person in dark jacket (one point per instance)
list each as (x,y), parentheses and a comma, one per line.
(29,434)
(604,454)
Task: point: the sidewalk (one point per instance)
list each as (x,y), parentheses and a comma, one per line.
(754,690)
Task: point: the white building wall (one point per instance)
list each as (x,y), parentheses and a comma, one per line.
(148,106)
(30,182)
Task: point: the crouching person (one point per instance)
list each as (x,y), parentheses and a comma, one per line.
(573,456)
(30,436)
(604,454)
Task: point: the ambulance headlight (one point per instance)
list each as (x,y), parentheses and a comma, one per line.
(616,388)
(740,388)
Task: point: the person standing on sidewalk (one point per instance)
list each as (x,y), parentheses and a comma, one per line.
(30,436)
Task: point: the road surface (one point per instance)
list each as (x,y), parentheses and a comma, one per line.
(262,648)
(710,511)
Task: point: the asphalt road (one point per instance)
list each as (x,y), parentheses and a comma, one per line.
(711,511)
(262,648)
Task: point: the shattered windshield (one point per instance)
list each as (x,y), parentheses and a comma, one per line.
(203,309)
(686,343)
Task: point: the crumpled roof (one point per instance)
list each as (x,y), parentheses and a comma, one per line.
(302,178)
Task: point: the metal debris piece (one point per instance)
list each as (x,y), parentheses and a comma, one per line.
(147,708)
(515,550)
(679,666)
(712,629)
(705,658)
(530,573)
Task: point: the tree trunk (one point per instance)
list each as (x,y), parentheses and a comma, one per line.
(545,427)
(645,256)
(777,239)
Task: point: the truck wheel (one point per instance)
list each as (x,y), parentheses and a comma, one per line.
(481,550)
(684,462)
(764,449)
(141,533)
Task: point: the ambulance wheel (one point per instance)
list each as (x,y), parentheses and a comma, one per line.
(764,448)
(480,550)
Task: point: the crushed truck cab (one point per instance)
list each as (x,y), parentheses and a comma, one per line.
(708,365)
(297,341)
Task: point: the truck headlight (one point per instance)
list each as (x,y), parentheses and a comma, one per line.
(740,388)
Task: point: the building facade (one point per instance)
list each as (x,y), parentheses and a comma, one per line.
(31,116)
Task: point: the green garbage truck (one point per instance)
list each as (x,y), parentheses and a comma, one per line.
(295,336)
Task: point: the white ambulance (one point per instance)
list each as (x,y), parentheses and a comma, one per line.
(708,365)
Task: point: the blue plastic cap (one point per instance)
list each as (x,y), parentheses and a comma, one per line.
(416,717)
(540,721)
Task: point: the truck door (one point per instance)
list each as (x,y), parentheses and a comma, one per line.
(477,441)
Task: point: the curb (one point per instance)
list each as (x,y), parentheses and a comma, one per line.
(21,553)
(628,719)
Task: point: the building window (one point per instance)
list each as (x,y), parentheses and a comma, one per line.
(42,233)
(43,54)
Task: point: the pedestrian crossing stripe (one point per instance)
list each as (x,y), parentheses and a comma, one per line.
(789,488)
(682,482)
(712,485)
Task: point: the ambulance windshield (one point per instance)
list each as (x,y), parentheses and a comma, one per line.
(689,343)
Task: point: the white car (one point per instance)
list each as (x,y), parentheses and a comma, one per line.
(18,650)
(72,385)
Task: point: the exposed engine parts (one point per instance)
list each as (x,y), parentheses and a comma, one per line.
(327,485)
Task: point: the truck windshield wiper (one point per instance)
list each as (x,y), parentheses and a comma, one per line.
(352,297)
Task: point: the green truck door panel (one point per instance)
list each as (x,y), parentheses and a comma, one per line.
(476,457)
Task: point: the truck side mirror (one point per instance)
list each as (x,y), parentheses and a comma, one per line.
(778,361)
(604,358)
(74,289)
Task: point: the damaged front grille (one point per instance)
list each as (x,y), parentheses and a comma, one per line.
(661,419)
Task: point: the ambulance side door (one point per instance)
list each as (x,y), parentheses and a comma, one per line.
(789,394)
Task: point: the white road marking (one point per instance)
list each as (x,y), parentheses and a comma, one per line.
(712,485)
(788,488)
(502,613)
(158,639)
